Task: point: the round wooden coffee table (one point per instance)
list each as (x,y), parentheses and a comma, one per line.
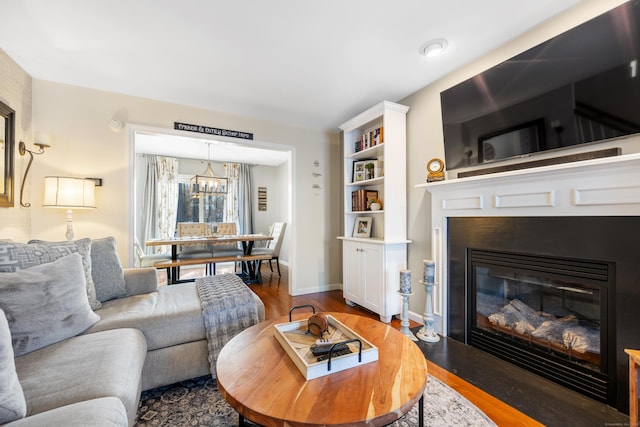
(261,382)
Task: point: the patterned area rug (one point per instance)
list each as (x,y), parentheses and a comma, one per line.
(197,402)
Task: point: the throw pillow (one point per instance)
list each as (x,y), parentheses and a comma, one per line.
(46,303)
(18,256)
(12,403)
(106,270)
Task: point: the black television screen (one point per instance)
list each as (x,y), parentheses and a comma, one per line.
(579,87)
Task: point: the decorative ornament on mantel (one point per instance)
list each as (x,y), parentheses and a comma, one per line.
(435,169)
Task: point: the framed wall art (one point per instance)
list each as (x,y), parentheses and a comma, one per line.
(262,198)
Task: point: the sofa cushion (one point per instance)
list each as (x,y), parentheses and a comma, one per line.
(85,367)
(106,270)
(170,316)
(46,303)
(102,412)
(142,280)
(12,403)
(18,256)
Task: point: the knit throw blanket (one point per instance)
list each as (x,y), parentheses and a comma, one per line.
(228,307)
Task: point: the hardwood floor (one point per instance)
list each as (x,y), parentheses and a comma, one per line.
(273,291)
(509,395)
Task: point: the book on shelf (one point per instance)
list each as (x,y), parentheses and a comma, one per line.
(361,199)
(378,136)
(358,200)
(370,139)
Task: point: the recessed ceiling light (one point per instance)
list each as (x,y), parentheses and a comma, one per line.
(433,47)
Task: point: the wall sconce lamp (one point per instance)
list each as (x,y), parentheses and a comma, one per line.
(22,149)
(69,193)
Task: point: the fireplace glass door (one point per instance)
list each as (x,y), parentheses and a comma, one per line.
(540,311)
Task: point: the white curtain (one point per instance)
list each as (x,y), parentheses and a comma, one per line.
(160,200)
(231,208)
(167,197)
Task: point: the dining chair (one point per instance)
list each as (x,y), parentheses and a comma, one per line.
(194,229)
(273,247)
(148,260)
(225,229)
(225,249)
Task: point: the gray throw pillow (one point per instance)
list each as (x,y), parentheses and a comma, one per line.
(46,304)
(18,256)
(106,270)
(12,403)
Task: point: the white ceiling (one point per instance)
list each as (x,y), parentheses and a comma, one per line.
(308,63)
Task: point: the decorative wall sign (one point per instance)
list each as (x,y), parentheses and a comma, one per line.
(262,198)
(212,131)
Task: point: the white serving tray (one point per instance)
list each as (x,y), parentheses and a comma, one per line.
(296,342)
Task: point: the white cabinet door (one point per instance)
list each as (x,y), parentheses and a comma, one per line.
(351,272)
(363,276)
(372,263)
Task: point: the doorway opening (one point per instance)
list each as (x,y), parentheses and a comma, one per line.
(271,165)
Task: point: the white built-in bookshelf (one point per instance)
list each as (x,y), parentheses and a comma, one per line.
(374,166)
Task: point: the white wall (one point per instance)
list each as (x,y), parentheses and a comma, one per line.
(15,91)
(276,180)
(84,145)
(266,176)
(424,128)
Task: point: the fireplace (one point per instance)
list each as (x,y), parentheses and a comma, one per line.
(556,244)
(549,294)
(547,315)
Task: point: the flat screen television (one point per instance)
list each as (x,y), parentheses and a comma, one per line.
(579,87)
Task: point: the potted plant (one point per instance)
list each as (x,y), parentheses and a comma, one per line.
(376,204)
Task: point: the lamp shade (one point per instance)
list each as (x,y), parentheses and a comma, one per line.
(69,193)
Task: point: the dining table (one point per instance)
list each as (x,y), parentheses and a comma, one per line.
(247,241)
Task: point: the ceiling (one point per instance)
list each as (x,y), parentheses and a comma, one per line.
(307,63)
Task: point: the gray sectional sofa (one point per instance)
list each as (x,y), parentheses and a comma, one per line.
(138,336)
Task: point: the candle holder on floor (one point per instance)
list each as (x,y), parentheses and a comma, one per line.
(428,333)
(404,324)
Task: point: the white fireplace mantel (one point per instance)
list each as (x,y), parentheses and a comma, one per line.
(600,187)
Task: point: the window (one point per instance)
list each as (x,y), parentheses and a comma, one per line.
(199,209)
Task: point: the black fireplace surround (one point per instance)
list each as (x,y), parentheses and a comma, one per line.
(610,242)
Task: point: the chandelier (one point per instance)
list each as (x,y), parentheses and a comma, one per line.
(208,184)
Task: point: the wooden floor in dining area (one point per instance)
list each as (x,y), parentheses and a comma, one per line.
(273,291)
